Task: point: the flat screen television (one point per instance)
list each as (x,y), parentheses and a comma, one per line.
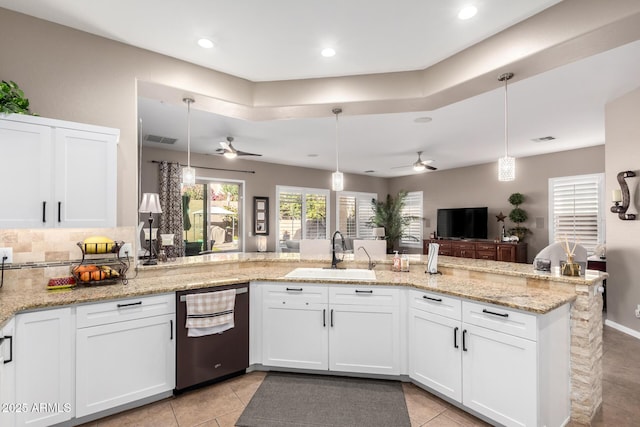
(462,223)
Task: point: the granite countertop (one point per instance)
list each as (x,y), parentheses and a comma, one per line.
(511,285)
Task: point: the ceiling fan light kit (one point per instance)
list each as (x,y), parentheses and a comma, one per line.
(506,164)
(337,178)
(188,173)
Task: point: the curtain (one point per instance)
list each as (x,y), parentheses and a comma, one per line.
(171,220)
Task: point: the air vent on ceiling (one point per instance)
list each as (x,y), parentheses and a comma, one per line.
(544,139)
(160,139)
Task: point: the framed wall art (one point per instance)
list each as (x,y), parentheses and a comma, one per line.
(261,216)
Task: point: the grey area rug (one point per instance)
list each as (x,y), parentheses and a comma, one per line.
(286,400)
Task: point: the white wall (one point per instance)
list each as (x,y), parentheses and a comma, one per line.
(622,125)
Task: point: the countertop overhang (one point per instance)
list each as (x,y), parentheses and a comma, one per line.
(511,285)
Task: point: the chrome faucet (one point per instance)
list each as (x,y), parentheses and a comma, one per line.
(371,263)
(334,260)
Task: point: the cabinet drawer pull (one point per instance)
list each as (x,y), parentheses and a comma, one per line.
(10,338)
(59,209)
(464,340)
(129,304)
(484,310)
(44,212)
(358,291)
(432,299)
(295,289)
(455,337)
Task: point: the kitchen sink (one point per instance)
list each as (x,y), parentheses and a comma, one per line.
(332,274)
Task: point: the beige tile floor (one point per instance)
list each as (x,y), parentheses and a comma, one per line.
(221,404)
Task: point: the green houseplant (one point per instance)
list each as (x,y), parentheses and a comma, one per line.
(12,100)
(388,214)
(518,216)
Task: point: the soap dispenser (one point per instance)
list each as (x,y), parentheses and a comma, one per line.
(396,262)
(404,262)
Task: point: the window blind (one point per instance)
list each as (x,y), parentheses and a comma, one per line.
(576,210)
(353,214)
(413,207)
(302,214)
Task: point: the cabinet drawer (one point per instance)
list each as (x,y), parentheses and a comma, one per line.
(486,255)
(370,295)
(500,319)
(124,309)
(436,304)
(302,292)
(486,247)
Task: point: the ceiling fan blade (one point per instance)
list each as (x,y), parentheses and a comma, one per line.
(402,167)
(244,153)
(431,168)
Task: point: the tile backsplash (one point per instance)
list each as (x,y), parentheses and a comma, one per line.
(40,254)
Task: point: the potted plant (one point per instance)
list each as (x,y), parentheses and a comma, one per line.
(388,214)
(518,216)
(12,100)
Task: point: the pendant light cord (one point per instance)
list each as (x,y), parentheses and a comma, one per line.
(506,118)
(189,132)
(337,162)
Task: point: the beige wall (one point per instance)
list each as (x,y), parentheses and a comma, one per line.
(479,186)
(261,183)
(623,237)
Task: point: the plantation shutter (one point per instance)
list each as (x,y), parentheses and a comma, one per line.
(354,213)
(576,210)
(413,207)
(302,214)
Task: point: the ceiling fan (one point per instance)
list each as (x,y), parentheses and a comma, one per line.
(229,151)
(419,165)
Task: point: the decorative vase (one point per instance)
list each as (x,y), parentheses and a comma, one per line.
(569,267)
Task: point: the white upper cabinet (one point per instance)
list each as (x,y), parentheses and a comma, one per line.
(57,173)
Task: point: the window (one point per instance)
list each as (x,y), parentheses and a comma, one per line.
(576,210)
(353,214)
(413,207)
(302,214)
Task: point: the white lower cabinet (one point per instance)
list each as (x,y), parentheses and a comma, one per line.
(125,351)
(510,366)
(340,328)
(43,355)
(7,375)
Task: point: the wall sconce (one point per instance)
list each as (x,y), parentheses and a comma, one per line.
(626,195)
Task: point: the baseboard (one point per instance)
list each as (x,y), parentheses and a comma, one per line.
(621,328)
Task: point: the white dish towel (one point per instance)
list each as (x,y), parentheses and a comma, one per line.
(210,313)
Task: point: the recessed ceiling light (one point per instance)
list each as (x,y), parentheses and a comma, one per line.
(328,52)
(467,12)
(422,119)
(205,43)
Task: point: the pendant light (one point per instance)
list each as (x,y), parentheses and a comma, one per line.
(506,164)
(337,178)
(188,173)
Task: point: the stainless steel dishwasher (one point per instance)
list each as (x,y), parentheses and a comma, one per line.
(211,357)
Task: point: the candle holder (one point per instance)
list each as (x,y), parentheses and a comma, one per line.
(626,208)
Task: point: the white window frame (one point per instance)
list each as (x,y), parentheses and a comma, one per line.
(303,191)
(413,207)
(588,179)
(362,202)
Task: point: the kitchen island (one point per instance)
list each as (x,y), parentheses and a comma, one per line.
(514,286)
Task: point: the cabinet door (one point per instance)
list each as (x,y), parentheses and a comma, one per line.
(434,352)
(294,334)
(7,375)
(364,339)
(499,376)
(122,362)
(506,253)
(44,361)
(25,169)
(85,179)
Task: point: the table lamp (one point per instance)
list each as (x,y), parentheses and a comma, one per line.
(151,204)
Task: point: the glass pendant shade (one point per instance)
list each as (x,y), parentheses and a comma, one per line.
(506,168)
(188,176)
(337,181)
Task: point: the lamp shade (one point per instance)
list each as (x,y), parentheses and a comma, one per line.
(378,232)
(150,203)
